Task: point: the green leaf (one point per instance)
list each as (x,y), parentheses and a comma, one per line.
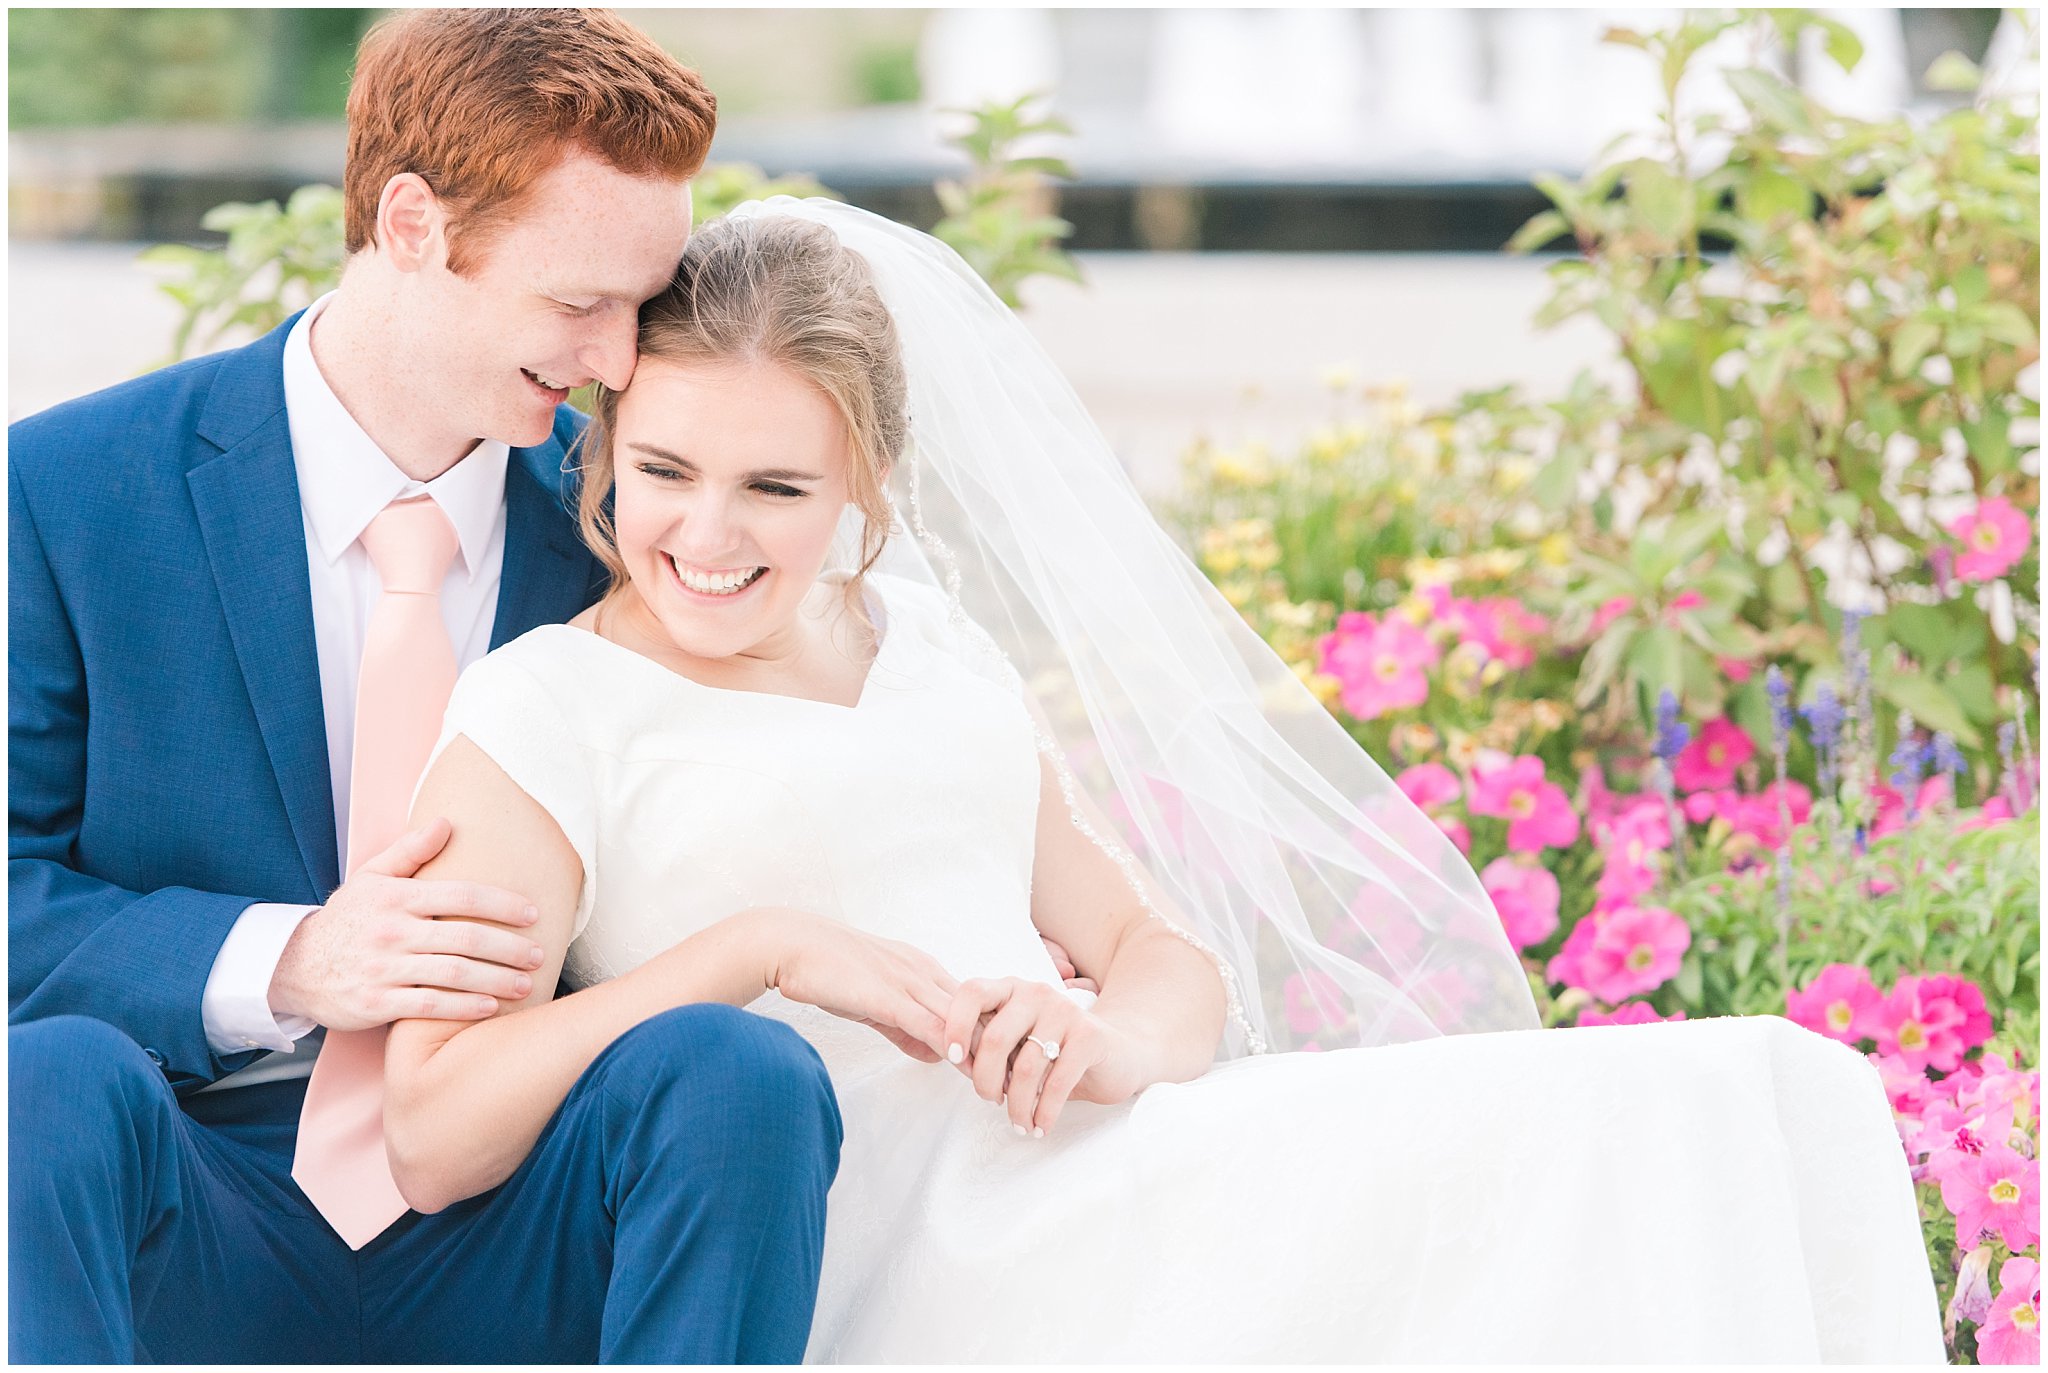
(1775,103)
(1656,659)
(1914,340)
(1661,199)
(1687,983)
(1842,44)
(2007,323)
(1952,72)
(1765,196)
(1930,705)
(1544,229)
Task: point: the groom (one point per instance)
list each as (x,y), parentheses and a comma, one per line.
(228,582)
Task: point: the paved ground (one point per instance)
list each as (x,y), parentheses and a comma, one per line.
(1163,347)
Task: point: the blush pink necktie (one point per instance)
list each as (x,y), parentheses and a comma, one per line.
(402,692)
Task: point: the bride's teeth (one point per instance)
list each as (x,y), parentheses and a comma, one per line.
(717,586)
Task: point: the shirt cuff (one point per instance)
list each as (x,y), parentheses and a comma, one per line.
(235,1007)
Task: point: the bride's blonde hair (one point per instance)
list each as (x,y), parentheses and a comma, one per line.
(783,291)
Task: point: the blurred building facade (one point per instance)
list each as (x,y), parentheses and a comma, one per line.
(1321,130)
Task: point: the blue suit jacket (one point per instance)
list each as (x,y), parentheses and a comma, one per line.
(166,746)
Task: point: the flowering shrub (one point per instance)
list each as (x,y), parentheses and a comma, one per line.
(1728,687)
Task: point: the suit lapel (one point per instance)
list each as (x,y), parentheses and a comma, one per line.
(247,499)
(547,576)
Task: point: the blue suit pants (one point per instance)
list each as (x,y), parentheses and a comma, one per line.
(672,1211)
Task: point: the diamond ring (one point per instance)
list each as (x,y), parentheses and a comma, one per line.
(1050,1047)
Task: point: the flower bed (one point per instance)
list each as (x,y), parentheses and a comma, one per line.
(1728,683)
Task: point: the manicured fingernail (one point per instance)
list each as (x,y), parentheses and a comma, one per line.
(1038,1132)
(1018,1128)
(954,1053)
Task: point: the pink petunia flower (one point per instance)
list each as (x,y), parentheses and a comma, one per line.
(1313,1002)
(1567,966)
(1710,761)
(1736,670)
(1683,601)
(1931,1022)
(1538,812)
(1378,664)
(1995,536)
(1508,630)
(1756,819)
(2012,1333)
(1456,831)
(1838,1003)
(1905,1086)
(1636,949)
(1611,609)
(1990,1188)
(1995,811)
(1526,897)
(1429,785)
(1634,1013)
(1891,807)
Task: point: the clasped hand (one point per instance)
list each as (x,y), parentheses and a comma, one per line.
(992,1030)
(1030,1047)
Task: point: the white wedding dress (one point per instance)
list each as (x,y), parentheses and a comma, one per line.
(1718,1190)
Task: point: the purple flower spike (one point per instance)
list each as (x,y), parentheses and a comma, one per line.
(1824,727)
(1672,733)
(1781,706)
(1908,760)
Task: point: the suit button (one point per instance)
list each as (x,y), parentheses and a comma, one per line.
(154,1057)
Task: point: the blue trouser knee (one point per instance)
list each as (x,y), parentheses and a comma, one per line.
(672,1211)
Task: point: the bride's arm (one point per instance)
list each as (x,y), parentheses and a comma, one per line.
(465,1101)
(1163,995)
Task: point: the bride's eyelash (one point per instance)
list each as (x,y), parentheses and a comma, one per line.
(769,488)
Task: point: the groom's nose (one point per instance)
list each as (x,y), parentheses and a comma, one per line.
(609,355)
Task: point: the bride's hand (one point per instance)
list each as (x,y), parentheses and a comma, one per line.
(897,989)
(1009,1064)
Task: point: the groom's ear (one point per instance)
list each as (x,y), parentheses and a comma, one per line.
(412,222)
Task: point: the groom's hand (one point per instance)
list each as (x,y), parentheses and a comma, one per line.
(378,951)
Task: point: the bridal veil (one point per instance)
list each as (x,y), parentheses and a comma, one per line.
(1338,913)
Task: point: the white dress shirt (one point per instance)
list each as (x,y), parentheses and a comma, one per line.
(344,481)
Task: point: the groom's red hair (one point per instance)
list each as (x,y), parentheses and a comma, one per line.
(482,102)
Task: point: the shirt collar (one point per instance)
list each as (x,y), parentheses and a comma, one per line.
(344,477)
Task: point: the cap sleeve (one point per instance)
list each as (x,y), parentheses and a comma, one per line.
(500,706)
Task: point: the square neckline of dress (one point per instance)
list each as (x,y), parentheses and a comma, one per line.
(871,596)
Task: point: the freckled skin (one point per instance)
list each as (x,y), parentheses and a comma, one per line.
(729,420)
(430,362)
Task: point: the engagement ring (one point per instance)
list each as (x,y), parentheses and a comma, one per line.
(1050,1046)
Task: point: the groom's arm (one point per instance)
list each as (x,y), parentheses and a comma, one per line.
(78,945)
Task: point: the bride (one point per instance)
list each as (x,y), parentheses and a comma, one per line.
(904,724)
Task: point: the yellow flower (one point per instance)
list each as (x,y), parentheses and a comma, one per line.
(1415,610)
(1555,549)
(1219,552)
(1463,750)
(1424,570)
(1292,615)
(1405,492)
(1491,674)
(1512,475)
(1414,740)
(1496,563)
(1324,687)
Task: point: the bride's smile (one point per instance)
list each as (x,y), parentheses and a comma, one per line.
(730,481)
